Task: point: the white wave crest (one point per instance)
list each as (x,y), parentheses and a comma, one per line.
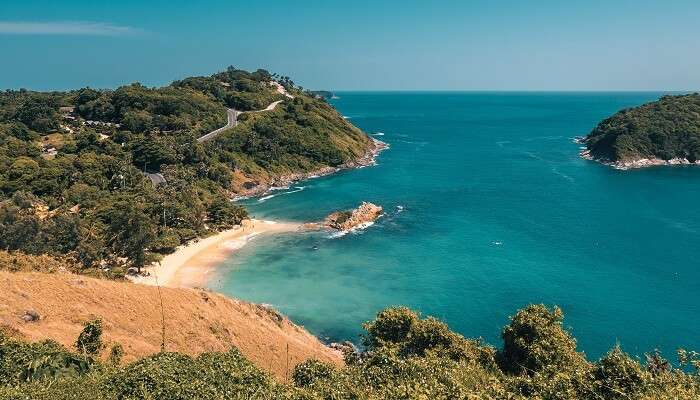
(236,244)
(354,230)
(269,196)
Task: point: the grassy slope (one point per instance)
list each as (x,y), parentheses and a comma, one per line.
(406,357)
(195,321)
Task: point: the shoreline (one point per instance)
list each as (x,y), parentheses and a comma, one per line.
(194,264)
(639,163)
(283,182)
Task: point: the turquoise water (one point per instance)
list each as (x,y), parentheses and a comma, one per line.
(498,211)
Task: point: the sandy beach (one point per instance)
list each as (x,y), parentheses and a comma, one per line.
(194,264)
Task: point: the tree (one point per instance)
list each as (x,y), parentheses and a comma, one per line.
(137,121)
(152,154)
(224,214)
(132,231)
(535,340)
(38,113)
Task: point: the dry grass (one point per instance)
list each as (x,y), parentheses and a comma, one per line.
(195,321)
(20,262)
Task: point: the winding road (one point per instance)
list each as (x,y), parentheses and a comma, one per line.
(233,120)
(232,114)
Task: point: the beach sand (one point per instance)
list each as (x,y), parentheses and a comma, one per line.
(194,264)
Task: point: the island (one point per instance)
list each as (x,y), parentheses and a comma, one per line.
(663,132)
(323,94)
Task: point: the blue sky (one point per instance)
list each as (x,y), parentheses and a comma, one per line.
(358,45)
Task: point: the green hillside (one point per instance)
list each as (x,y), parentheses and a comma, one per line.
(73,164)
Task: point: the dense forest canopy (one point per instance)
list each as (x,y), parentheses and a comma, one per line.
(405,357)
(665,129)
(73,165)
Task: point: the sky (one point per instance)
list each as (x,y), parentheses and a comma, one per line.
(356,45)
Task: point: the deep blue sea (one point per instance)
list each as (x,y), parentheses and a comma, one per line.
(488,208)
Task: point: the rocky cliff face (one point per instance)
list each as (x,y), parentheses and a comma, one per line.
(346,220)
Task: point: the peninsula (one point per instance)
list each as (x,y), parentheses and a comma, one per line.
(113,180)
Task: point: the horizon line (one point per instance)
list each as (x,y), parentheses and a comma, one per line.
(112,87)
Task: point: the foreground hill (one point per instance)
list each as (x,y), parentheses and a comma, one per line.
(663,132)
(115,178)
(195,321)
(406,356)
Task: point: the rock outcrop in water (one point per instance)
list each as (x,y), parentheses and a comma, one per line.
(346,220)
(349,219)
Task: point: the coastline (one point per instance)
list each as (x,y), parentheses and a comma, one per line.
(283,182)
(194,264)
(639,163)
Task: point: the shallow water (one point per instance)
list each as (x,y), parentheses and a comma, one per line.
(489,208)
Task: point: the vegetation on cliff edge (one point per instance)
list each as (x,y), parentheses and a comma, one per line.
(405,357)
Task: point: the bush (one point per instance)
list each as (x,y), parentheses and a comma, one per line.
(307,373)
(391,326)
(28,362)
(414,360)
(535,340)
(618,376)
(90,339)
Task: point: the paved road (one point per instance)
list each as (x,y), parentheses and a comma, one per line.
(233,120)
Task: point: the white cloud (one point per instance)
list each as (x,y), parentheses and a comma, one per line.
(65,28)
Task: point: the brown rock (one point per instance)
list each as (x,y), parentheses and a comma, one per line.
(345,220)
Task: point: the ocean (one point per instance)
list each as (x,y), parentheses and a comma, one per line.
(488,208)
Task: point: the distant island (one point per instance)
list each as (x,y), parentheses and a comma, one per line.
(324,94)
(663,132)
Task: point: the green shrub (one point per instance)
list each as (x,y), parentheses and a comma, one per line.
(391,326)
(90,339)
(410,358)
(307,373)
(535,340)
(619,376)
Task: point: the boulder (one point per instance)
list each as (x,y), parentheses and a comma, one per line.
(345,220)
(31,316)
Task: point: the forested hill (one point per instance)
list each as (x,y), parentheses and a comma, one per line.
(73,164)
(666,129)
